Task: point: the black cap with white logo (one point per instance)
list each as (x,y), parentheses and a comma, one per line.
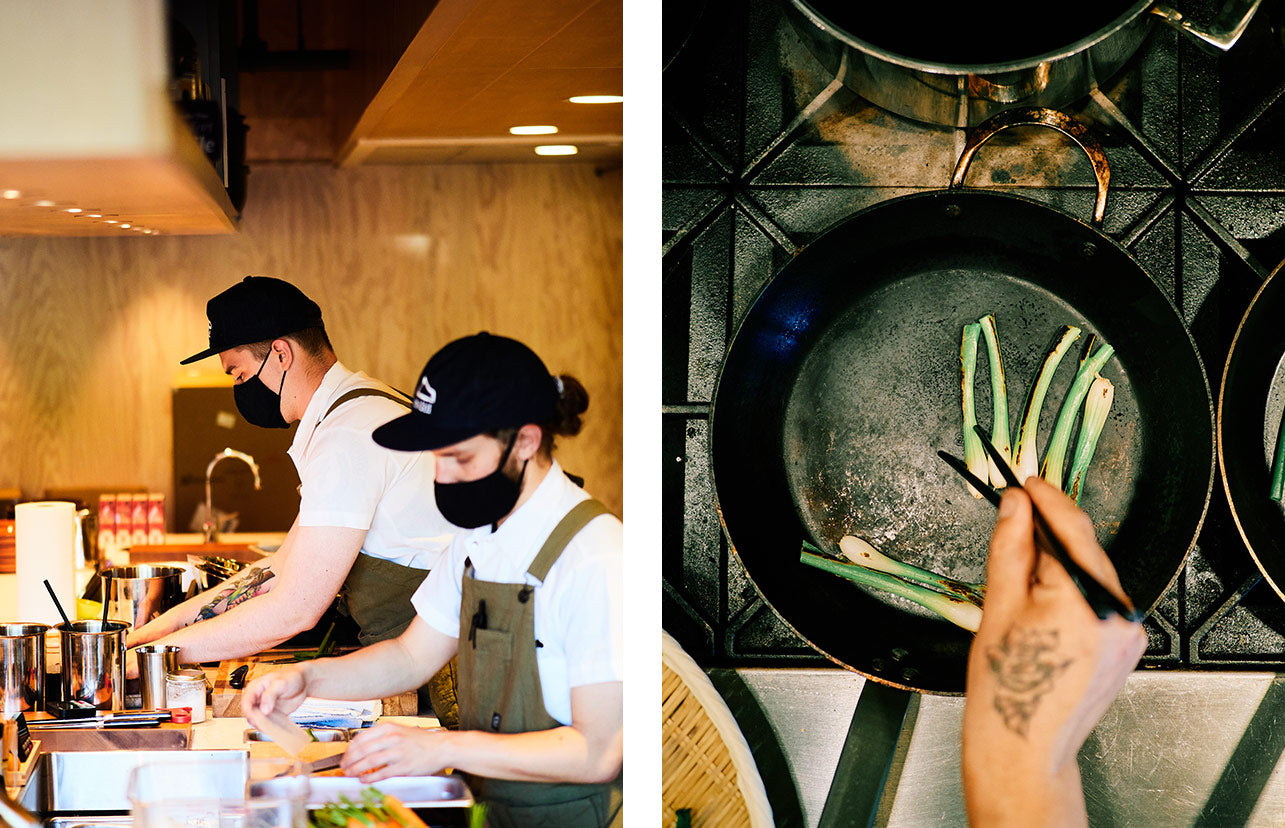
(256,309)
(472,386)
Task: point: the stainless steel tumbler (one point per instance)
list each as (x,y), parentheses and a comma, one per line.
(22,667)
(155,661)
(93,662)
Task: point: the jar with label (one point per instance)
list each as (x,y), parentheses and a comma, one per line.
(186,688)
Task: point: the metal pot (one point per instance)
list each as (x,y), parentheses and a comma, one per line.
(932,64)
(137,594)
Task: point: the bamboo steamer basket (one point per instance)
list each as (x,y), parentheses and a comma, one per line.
(706,764)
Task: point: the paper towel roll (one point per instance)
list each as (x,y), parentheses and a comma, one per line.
(45,549)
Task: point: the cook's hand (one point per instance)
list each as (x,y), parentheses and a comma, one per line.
(396,750)
(1043,667)
(131,664)
(283,690)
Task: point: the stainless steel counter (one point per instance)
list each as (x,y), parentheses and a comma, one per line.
(1175,749)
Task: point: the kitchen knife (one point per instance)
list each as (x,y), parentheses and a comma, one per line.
(317,765)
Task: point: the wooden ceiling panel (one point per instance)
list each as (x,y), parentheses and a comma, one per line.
(592,40)
(463,106)
(478,67)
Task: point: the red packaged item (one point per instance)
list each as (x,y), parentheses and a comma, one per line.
(106,525)
(124,520)
(156,518)
(138,519)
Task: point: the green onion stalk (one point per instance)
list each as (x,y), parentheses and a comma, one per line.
(959,611)
(860,551)
(1278,465)
(1054,460)
(974,454)
(999,400)
(1097,405)
(1025,455)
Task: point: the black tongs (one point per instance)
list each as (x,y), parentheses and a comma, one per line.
(1101,600)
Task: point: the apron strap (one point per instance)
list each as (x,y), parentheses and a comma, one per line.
(570,525)
(364,392)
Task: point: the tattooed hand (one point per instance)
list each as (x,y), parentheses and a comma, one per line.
(1043,668)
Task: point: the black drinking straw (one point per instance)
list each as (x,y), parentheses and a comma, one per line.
(57,604)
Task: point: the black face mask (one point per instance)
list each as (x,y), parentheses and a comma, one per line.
(257,402)
(478,502)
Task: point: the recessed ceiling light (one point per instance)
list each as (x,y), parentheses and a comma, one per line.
(44,202)
(74,210)
(12,194)
(597,99)
(533,130)
(126,226)
(110,221)
(94,215)
(556,149)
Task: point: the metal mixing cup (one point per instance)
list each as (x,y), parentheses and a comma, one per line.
(137,594)
(22,667)
(93,662)
(155,661)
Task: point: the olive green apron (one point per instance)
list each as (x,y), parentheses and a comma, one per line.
(376,595)
(499,681)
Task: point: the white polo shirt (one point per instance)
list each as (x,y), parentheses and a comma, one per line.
(351,481)
(578,608)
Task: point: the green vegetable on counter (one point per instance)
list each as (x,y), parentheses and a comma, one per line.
(1026,454)
(974,454)
(962,611)
(1061,438)
(999,399)
(1097,406)
(370,811)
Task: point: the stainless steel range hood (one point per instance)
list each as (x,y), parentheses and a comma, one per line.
(90,143)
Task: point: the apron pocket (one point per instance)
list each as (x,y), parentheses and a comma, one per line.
(492,663)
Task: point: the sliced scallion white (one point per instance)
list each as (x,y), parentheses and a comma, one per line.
(953,608)
(1054,460)
(1026,454)
(1097,405)
(974,454)
(999,400)
(860,551)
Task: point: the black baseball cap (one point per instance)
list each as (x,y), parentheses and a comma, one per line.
(473,385)
(256,309)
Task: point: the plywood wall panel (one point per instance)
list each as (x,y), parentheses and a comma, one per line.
(401,259)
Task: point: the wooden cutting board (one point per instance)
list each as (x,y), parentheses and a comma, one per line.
(226,700)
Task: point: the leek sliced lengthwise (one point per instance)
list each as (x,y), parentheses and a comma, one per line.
(862,552)
(1278,465)
(1097,405)
(1026,455)
(974,454)
(999,400)
(954,609)
(1054,459)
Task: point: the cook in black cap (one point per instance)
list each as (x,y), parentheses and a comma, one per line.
(362,525)
(529,600)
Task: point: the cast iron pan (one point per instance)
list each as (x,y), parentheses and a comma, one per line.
(1250,404)
(842,382)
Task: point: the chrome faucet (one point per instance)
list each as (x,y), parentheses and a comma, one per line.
(210,528)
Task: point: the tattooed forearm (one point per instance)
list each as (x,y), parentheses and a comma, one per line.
(253,582)
(1026,665)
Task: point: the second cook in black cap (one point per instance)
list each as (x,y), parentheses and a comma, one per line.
(529,599)
(363,525)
